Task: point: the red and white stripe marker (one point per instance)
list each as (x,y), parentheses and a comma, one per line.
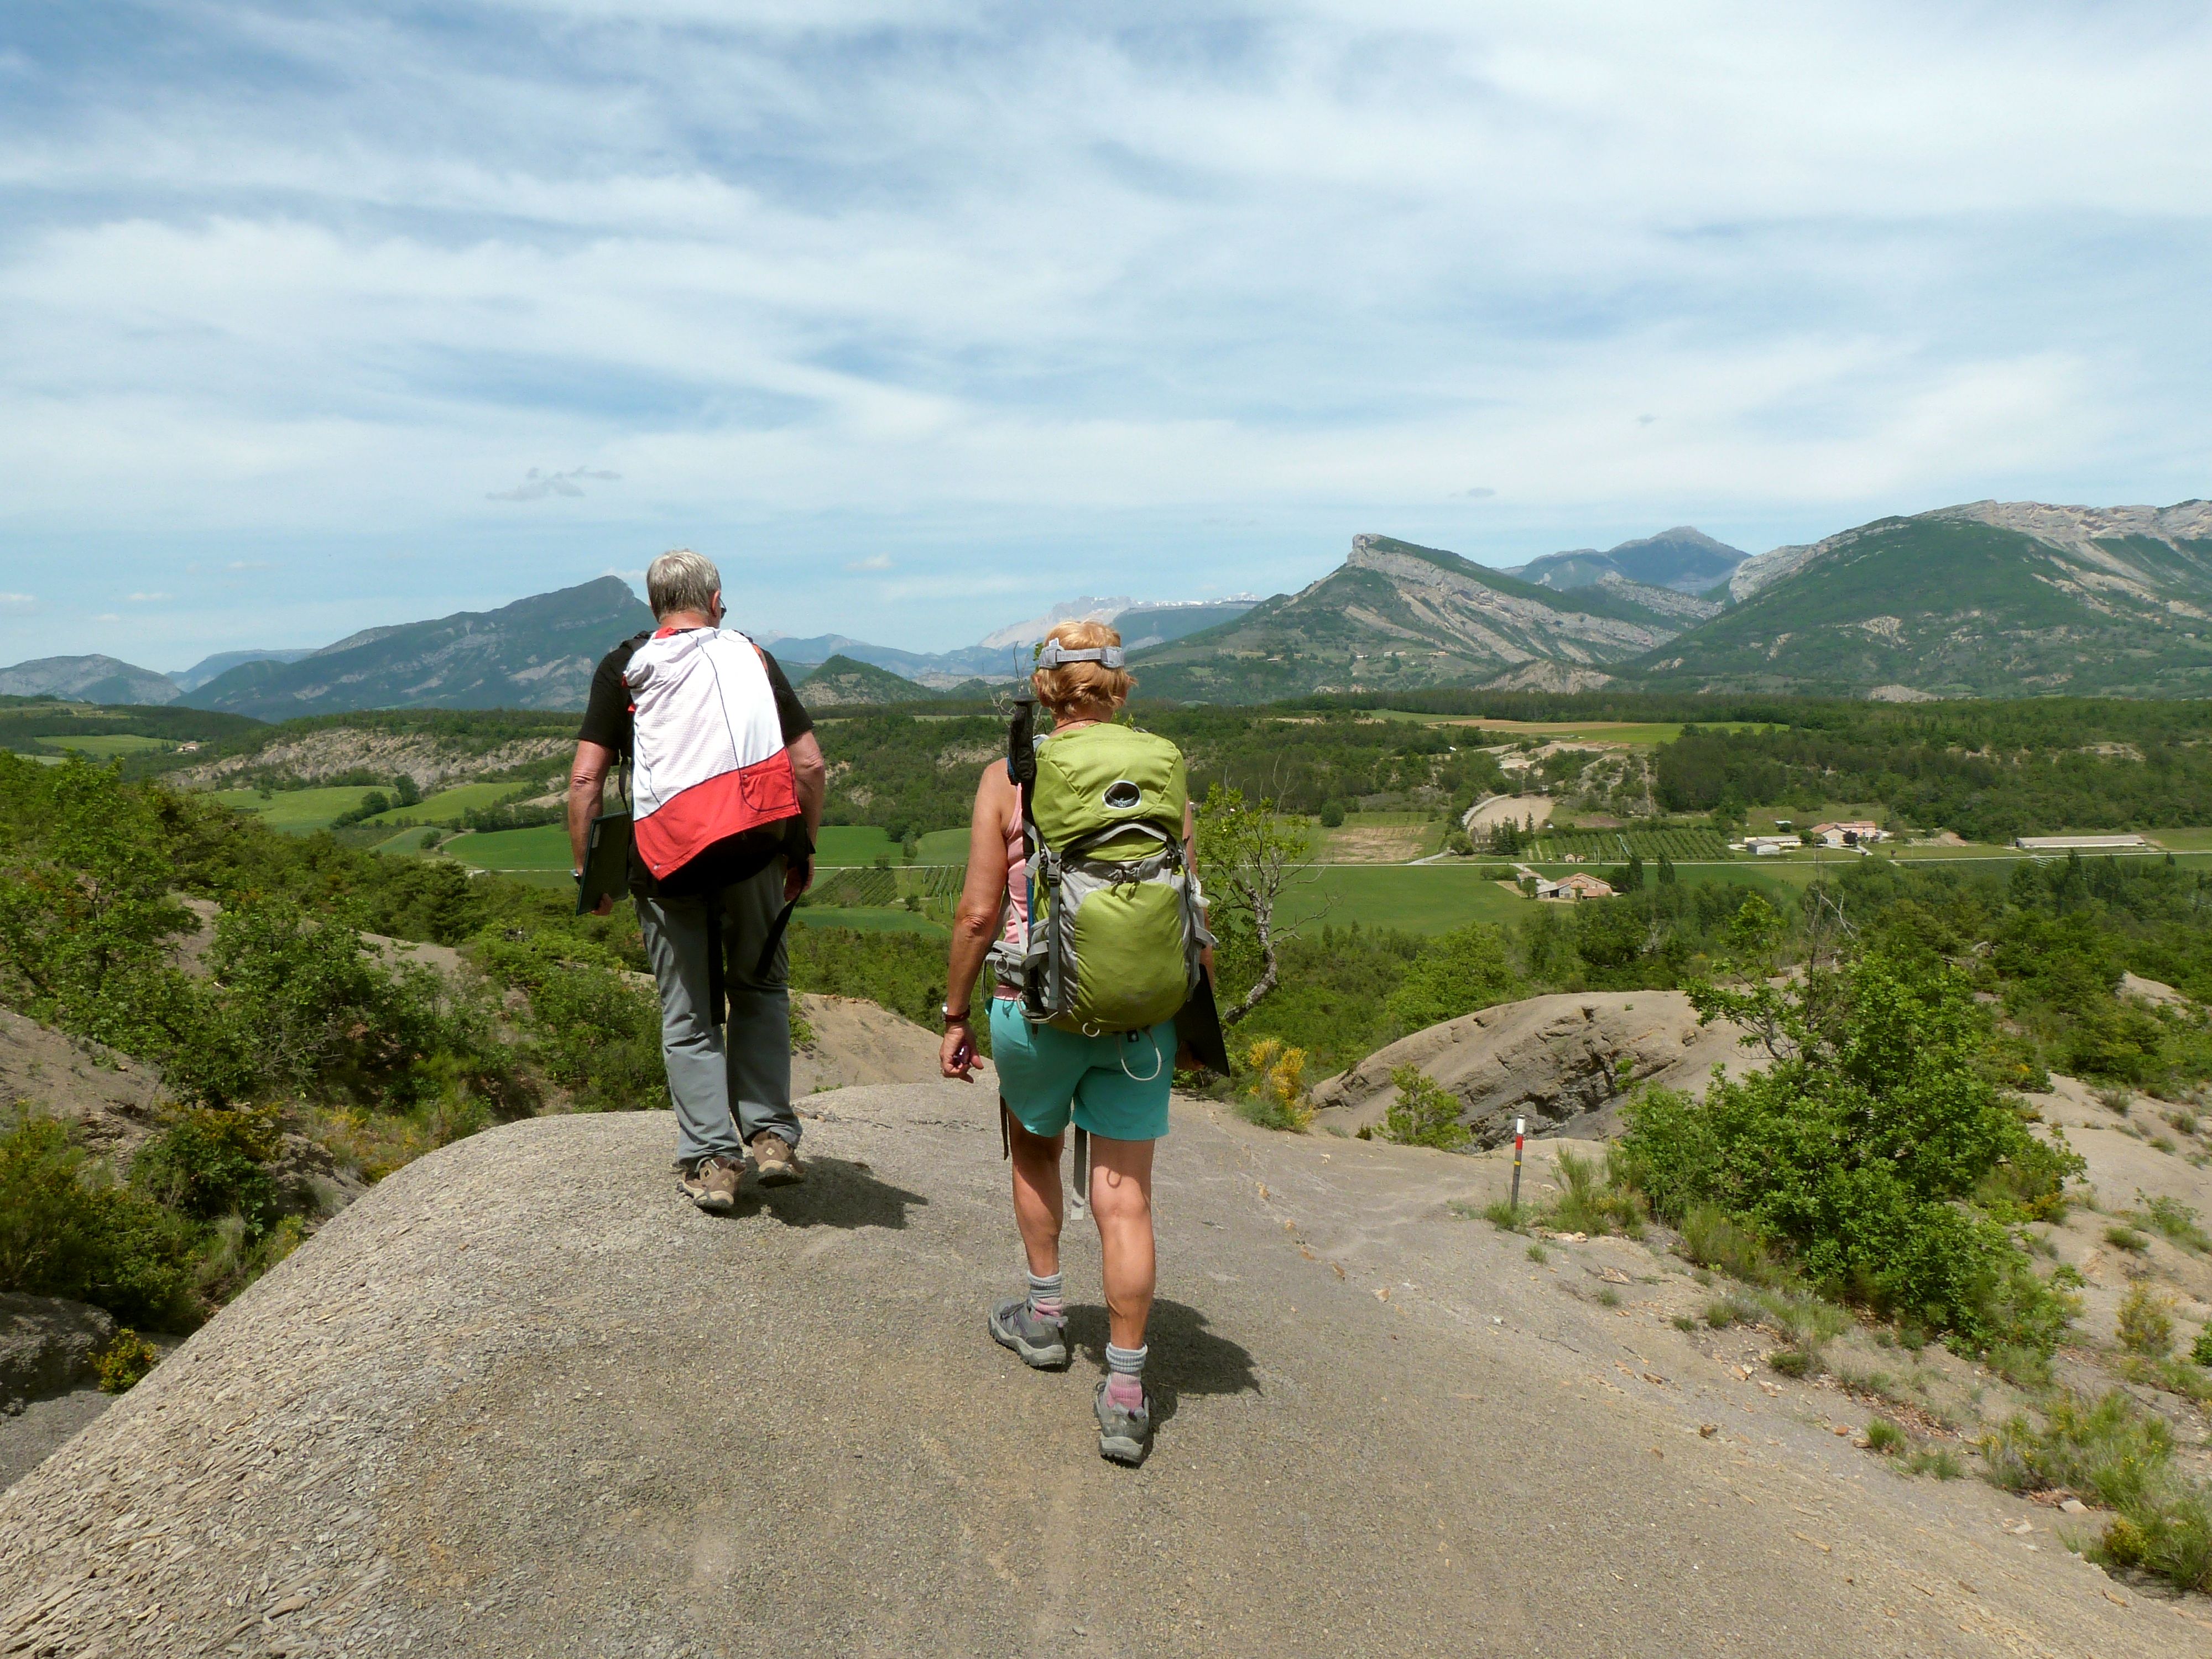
(1520,1134)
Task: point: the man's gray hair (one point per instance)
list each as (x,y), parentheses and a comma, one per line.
(682,581)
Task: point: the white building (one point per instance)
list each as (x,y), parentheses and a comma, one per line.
(1857,832)
(2084,844)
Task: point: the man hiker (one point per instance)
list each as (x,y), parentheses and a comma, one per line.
(728,790)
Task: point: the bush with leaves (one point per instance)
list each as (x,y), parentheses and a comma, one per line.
(211,1162)
(1860,1148)
(1425,1114)
(1459,972)
(67,1231)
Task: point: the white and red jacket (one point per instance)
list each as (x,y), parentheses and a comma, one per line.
(710,761)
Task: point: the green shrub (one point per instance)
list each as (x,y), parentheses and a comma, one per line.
(122,1364)
(2202,1352)
(65,1231)
(1539,1255)
(2175,1219)
(2106,1449)
(1885,1437)
(1725,1311)
(1425,1114)
(2124,1458)
(208,1162)
(1591,1201)
(1504,1215)
(1332,814)
(2146,1322)
(1790,1362)
(1711,1240)
(1938,1461)
(1860,1149)
(2121,1236)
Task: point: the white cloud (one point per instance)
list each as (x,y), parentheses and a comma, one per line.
(18,599)
(892,281)
(147,599)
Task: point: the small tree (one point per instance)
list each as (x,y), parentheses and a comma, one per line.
(1425,1114)
(1248,854)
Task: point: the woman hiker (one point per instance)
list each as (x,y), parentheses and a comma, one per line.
(1048,1075)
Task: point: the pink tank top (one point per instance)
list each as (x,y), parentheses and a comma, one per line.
(1016,930)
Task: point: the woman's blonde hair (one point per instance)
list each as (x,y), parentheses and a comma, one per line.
(1075,683)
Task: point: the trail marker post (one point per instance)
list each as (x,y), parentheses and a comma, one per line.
(1520,1131)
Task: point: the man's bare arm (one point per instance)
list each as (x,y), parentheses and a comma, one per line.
(587,783)
(810,773)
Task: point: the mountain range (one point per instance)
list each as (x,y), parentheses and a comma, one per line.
(1141,622)
(1684,559)
(1988,598)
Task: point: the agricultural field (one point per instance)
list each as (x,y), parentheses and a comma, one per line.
(1378,838)
(447,805)
(1682,843)
(295,812)
(1420,898)
(513,851)
(853,845)
(107,745)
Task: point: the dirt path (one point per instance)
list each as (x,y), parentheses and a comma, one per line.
(1508,809)
(522,1399)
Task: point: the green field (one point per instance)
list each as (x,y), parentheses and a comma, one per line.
(868,919)
(849,844)
(545,848)
(295,812)
(106,745)
(447,805)
(2183,840)
(943,846)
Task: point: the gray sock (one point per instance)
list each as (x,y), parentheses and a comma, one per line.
(1044,1296)
(1125,1374)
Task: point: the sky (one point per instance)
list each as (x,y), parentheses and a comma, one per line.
(918,317)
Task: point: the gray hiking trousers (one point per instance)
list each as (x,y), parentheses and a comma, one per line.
(726,1089)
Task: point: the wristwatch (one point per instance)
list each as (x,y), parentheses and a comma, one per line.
(951,1016)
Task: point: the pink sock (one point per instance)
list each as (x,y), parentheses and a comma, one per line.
(1126,1392)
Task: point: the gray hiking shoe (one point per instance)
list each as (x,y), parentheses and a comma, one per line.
(712,1183)
(775,1159)
(1040,1342)
(1124,1435)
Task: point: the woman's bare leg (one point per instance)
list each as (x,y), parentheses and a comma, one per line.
(1037,1197)
(1122,1200)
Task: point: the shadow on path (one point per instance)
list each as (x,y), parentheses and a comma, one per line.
(836,1192)
(1186,1358)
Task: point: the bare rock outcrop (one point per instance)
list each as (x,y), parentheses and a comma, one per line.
(1565,1062)
(46,1345)
(858,1043)
(111,1101)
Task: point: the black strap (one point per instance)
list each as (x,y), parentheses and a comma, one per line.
(774,937)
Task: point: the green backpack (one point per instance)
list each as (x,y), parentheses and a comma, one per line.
(1114,926)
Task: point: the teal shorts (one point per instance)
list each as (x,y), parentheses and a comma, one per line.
(1114,1086)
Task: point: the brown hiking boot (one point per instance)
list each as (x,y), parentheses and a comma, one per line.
(775,1159)
(712,1183)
